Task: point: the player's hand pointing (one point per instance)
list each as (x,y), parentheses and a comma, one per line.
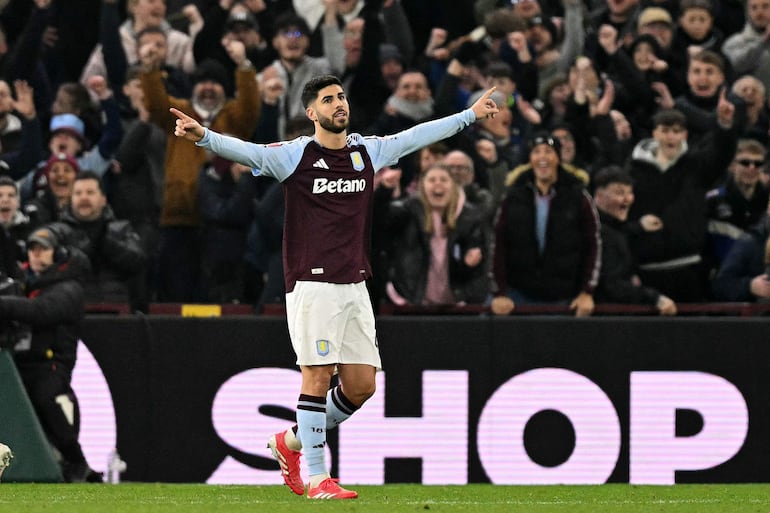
(485,107)
(187,127)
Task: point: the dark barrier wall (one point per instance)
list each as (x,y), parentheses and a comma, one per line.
(501,400)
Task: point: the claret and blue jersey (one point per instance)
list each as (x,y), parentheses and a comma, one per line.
(328,193)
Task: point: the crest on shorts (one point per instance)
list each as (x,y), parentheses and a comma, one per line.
(358,161)
(322,347)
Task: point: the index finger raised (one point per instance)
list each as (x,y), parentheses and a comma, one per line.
(181,115)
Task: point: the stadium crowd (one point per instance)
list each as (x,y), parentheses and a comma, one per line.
(627,163)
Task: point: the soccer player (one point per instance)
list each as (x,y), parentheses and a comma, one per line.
(328,181)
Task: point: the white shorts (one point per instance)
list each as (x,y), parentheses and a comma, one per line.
(332,323)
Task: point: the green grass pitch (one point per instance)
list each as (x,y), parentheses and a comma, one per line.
(199,498)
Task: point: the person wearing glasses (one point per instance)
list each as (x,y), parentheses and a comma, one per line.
(294,66)
(738,203)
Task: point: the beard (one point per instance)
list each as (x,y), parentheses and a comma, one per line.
(332,126)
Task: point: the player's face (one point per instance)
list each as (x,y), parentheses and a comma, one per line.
(331,109)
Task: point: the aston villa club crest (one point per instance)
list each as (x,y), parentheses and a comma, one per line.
(358,161)
(322,347)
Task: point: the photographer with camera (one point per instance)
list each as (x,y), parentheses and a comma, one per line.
(51,307)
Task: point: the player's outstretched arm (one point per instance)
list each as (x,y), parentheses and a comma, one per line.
(485,107)
(187,127)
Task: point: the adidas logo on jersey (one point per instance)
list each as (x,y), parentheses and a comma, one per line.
(321,185)
(321,163)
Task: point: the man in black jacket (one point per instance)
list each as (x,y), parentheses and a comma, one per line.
(45,354)
(114,249)
(618,281)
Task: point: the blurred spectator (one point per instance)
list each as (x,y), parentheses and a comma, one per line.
(144,14)
(507,131)
(440,253)
(52,308)
(153,50)
(10,124)
(621,15)
(554,54)
(68,136)
(460,167)
(238,23)
(271,89)
(695,29)
(668,217)
(547,240)
(705,82)
(23,57)
(747,50)
(112,245)
(657,22)
(391,65)
(20,135)
(640,70)
(745,271)
(14,228)
(411,103)
(50,202)
(179,245)
(75,98)
(263,257)
(226,194)
(618,280)
(753,93)
(324,16)
(135,185)
(374,44)
(294,66)
(552,104)
(738,203)
(570,157)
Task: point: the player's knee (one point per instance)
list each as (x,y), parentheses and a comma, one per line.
(362,393)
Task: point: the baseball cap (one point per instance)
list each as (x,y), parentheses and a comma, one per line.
(69,123)
(654,15)
(43,236)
